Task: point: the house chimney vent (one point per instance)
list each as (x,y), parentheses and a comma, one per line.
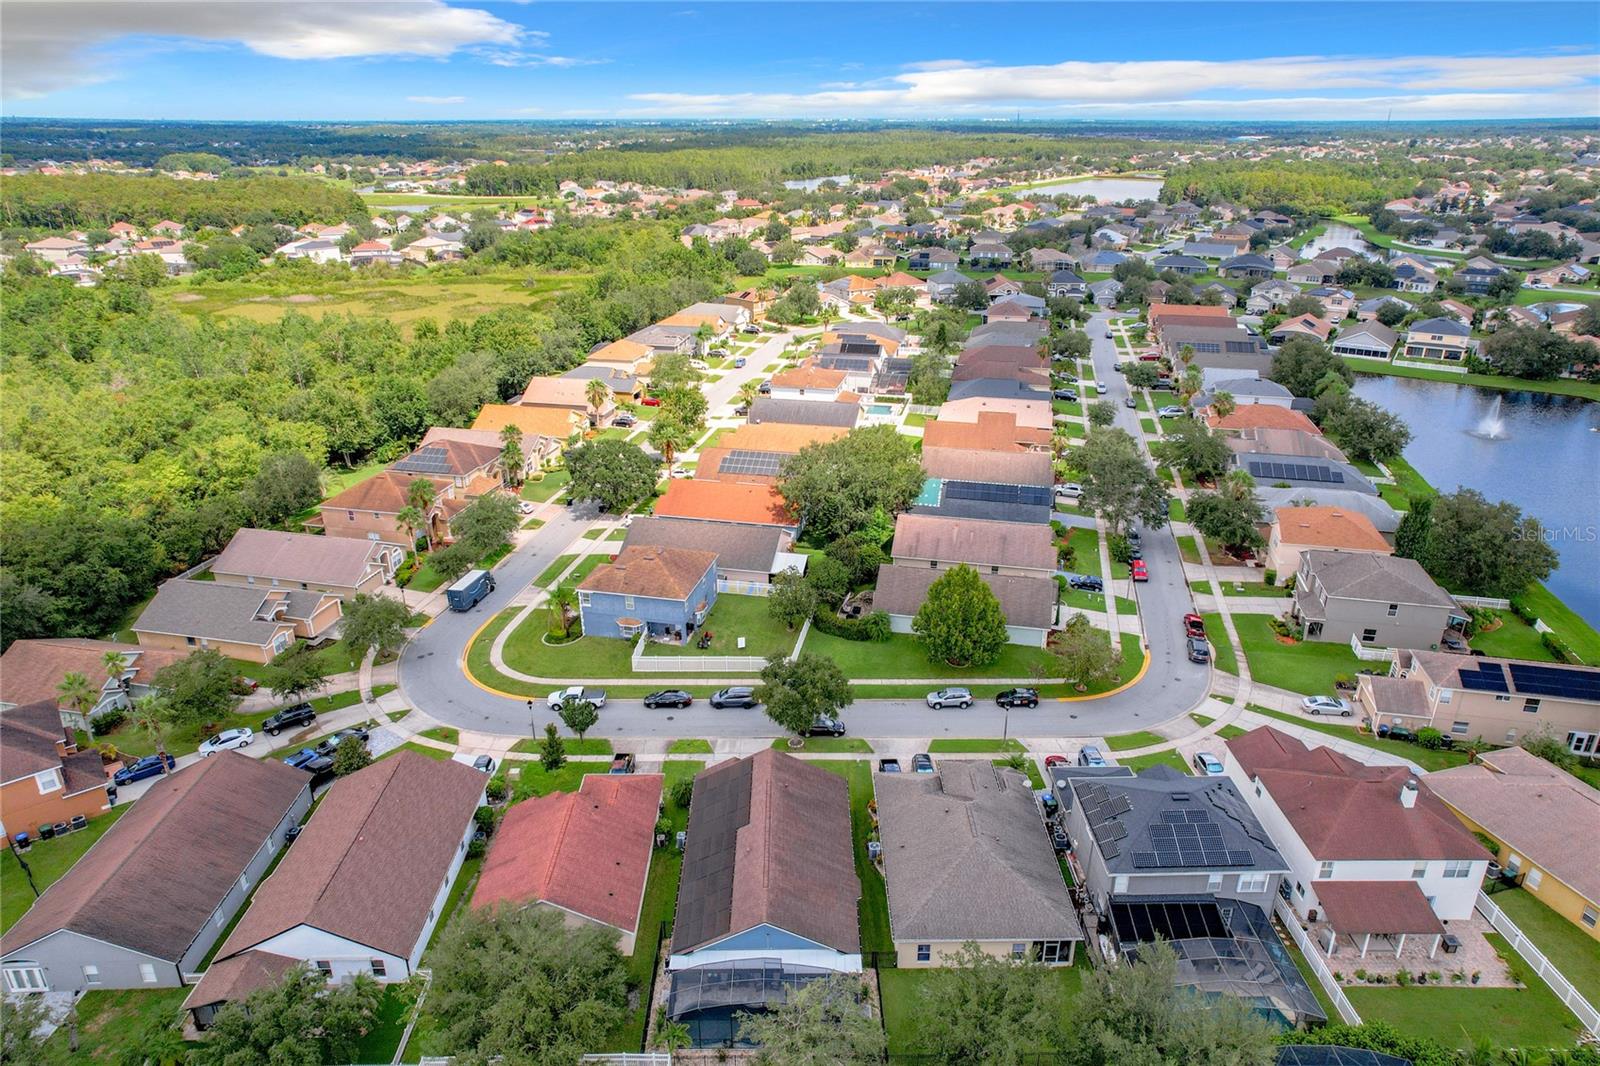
(1408,793)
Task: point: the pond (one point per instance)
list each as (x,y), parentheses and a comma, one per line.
(1540,452)
(1337,235)
(1105,190)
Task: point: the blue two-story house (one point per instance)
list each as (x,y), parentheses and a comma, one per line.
(665,593)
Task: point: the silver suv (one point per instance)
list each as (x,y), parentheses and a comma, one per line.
(950,697)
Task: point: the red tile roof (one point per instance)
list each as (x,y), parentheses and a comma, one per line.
(724,502)
(587,851)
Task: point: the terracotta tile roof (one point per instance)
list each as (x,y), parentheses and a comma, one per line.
(234,979)
(1385,907)
(587,851)
(663,573)
(29,736)
(369,863)
(560,392)
(696,319)
(534,421)
(384,492)
(1330,527)
(751,504)
(768,843)
(808,376)
(153,881)
(1532,807)
(1264,416)
(973,541)
(621,351)
(786,437)
(1163,314)
(1333,803)
(901,280)
(1306,325)
(994,431)
(295,557)
(30,670)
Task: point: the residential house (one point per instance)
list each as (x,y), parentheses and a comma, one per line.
(144,905)
(768,895)
(1372,596)
(568,394)
(1269,295)
(1049,260)
(1367,310)
(935,543)
(1026,334)
(339,901)
(755,301)
(1415,276)
(1383,517)
(994,431)
(551,426)
(1369,340)
(1529,808)
(1247,417)
(1228,347)
(473,467)
(1065,283)
(1211,249)
(991,880)
(1187,265)
(1273,468)
(803,412)
(1001,287)
(664,340)
(996,389)
(1105,293)
(747,555)
(1315,272)
(989,255)
(1551,277)
(368,253)
(1112,237)
(1160,315)
(1318,329)
(1016,468)
(849,291)
(432,249)
(1336,303)
(1296,530)
(719,501)
(1103,261)
(932,259)
(1459,311)
(57,250)
(1284,442)
(584,854)
(754,454)
(1501,699)
(536,447)
(625,356)
(44,779)
(1246,266)
(942,286)
(371,509)
(1018,308)
(254,624)
(1221,294)
(31,670)
(1027,411)
(340,566)
(1479,274)
(807,381)
(664,593)
(1439,338)
(1028,602)
(1320,807)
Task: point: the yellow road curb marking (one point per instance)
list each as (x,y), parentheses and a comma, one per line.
(1144,668)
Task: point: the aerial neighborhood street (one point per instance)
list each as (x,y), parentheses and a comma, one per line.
(663,585)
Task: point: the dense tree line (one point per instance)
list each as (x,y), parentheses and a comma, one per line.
(1301,187)
(89,201)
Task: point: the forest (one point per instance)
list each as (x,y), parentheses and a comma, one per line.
(1303,187)
(135,436)
(42,201)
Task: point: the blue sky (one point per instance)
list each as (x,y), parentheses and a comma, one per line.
(429,59)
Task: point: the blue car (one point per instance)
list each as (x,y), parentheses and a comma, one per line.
(301,757)
(149,766)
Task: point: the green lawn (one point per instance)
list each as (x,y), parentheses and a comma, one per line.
(1528,1017)
(902,998)
(1029,767)
(1188,549)
(732,617)
(873,909)
(1580,636)
(426,579)
(974,745)
(1130,741)
(1574,952)
(438,754)
(1159,758)
(1309,666)
(570,745)
(1085,545)
(394,1010)
(1227,732)
(444,733)
(1512,639)
(1559,386)
(112,1021)
(548,576)
(526,652)
(540,489)
(1255,589)
(1175,510)
(1428,759)
(826,745)
(902,656)
(529,778)
(1222,656)
(48,859)
(689,747)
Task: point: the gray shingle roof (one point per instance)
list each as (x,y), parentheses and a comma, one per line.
(1026,601)
(966,857)
(738,547)
(208,609)
(804,412)
(1365,576)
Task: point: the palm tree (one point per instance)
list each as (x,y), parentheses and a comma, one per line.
(511,458)
(412,521)
(150,714)
(419,498)
(75,692)
(596,392)
(750,392)
(669,437)
(115,663)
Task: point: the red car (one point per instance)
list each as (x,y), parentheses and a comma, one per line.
(651,401)
(1138,570)
(1194,626)
(1052,761)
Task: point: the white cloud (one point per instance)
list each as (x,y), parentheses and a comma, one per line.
(437,99)
(1289,87)
(50,45)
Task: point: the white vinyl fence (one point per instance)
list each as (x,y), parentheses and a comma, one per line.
(704,665)
(1541,965)
(1484,601)
(1369,655)
(1341,1002)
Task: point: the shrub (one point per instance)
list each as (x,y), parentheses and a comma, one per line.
(1289,582)
(1270,577)
(476,848)
(871,627)
(1430,738)
(484,816)
(681,793)
(1554,645)
(496,789)
(105,723)
(1120,549)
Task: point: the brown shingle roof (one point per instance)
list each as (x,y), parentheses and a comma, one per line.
(1001,468)
(723,502)
(769,843)
(1384,907)
(234,979)
(1026,601)
(272,553)
(454,457)
(570,393)
(1330,527)
(384,492)
(663,573)
(154,880)
(786,437)
(371,860)
(994,431)
(974,541)
(31,670)
(1334,803)
(587,851)
(29,736)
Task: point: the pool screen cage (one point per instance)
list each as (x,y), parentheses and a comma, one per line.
(709,998)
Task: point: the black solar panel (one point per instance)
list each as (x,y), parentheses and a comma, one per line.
(430,460)
(1557,681)
(1294,471)
(744,461)
(986,492)
(1488,677)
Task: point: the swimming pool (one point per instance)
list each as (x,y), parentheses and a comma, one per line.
(879,409)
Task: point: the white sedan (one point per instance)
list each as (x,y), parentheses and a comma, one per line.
(1326,705)
(227,740)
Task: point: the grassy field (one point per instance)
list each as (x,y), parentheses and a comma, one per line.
(546,487)
(1308,667)
(732,617)
(1512,639)
(1085,545)
(48,859)
(111,1022)
(1580,636)
(1573,951)
(902,656)
(1222,656)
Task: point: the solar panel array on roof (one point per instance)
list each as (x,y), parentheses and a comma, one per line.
(430,460)
(1295,471)
(1183,839)
(984,492)
(1484,677)
(745,461)
(1556,681)
(847,363)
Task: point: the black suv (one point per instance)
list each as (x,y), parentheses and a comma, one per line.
(735,697)
(1087,583)
(331,744)
(298,715)
(825,726)
(1018,697)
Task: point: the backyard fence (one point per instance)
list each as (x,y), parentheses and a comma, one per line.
(1369,655)
(705,665)
(1313,957)
(1445,367)
(1484,601)
(1541,965)
(743,588)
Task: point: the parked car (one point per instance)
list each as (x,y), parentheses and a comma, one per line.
(298,715)
(1171,411)
(1066,394)
(1100,388)
(468,590)
(1089,755)
(526,507)
(742,410)
(738,696)
(1194,626)
(950,697)
(227,740)
(301,758)
(624,420)
(1128,402)
(765,388)
(651,401)
(1108,333)
(668,697)
(888,766)
(1138,571)
(483,764)
(1053,761)
(1326,705)
(1457,645)
(751,329)
(922,764)
(622,763)
(1018,697)
(824,725)
(1069,490)
(1086,583)
(1208,764)
(738,364)
(1199,651)
(596,696)
(243,686)
(331,744)
(149,766)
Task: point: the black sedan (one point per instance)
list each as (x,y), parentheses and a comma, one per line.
(825,726)
(672,697)
(331,744)
(1018,697)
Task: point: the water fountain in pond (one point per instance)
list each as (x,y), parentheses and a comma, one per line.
(1491,426)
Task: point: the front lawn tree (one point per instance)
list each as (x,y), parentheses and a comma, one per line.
(613,473)
(827,1022)
(295,672)
(300,1021)
(837,485)
(351,755)
(1118,482)
(793,599)
(196,689)
(1084,654)
(374,623)
(960,621)
(578,715)
(1102,413)
(796,692)
(1194,450)
(1232,516)
(552,753)
(1143,375)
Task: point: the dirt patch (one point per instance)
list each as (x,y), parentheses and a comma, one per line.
(301,298)
(187,298)
(1288,641)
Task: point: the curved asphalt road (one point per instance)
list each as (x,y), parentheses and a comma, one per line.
(431,676)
